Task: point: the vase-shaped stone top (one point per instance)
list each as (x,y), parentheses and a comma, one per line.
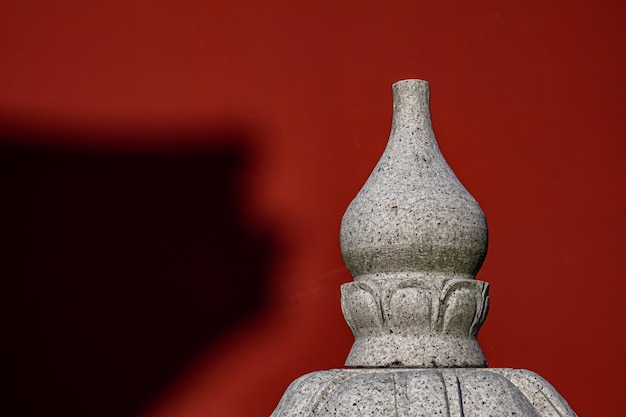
(414,239)
(413,216)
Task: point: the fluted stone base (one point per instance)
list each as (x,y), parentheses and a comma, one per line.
(422,392)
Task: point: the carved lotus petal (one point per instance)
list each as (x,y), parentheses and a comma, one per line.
(410,310)
(361,311)
(459,312)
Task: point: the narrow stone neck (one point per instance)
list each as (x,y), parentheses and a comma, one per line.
(411,108)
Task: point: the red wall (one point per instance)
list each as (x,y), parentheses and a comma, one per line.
(528,107)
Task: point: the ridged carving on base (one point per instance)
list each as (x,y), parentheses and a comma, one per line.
(422,392)
(415,321)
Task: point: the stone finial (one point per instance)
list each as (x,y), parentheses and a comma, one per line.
(413,217)
(414,239)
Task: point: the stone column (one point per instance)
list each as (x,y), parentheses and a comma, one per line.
(414,239)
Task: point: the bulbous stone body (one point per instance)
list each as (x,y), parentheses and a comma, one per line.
(413,214)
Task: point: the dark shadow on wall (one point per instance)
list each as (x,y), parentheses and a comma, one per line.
(117,268)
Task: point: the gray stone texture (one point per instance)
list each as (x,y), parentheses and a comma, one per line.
(430,321)
(414,239)
(422,392)
(413,215)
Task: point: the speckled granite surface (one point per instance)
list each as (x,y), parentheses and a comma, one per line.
(413,214)
(422,392)
(414,239)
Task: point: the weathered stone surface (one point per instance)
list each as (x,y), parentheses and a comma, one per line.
(414,239)
(413,215)
(422,392)
(418,322)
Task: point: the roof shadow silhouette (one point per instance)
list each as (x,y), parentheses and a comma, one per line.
(119,267)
